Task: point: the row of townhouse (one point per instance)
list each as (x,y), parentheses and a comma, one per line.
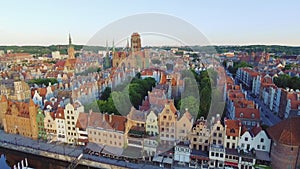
(246,76)
(209,144)
(238,107)
(283,102)
(214,145)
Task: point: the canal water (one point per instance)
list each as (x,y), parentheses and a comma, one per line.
(9,158)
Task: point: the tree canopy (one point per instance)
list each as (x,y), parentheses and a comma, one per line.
(285,81)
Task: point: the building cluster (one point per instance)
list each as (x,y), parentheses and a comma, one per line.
(156,131)
(161,134)
(283,102)
(238,106)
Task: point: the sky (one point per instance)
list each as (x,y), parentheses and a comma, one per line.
(233,22)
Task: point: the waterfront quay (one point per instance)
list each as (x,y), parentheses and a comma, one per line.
(66,153)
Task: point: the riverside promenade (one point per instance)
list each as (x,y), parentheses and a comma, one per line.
(67,153)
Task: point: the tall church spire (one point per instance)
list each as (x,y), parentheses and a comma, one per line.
(71,51)
(113,46)
(70,40)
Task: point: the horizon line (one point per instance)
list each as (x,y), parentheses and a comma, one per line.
(219,45)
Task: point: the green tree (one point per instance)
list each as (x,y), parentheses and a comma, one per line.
(191,103)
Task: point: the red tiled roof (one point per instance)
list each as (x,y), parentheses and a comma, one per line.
(117,122)
(232,127)
(82,121)
(286,132)
(247,113)
(256,129)
(60,114)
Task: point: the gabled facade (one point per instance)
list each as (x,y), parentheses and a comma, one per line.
(217,150)
(40,123)
(200,135)
(50,125)
(61,125)
(71,113)
(21,118)
(152,128)
(167,123)
(184,126)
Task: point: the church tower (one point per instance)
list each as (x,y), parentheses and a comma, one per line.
(71,51)
(136,42)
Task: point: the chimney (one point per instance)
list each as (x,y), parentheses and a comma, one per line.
(110,117)
(103,117)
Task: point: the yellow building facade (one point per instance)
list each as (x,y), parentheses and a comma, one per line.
(20,118)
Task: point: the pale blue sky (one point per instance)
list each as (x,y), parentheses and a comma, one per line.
(34,22)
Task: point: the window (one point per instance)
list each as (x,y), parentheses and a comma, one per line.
(246,138)
(221,155)
(263,147)
(212,154)
(218,128)
(261,140)
(215,134)
(195,139)
(220,134)
(242,115)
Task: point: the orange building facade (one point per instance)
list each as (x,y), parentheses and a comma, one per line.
(20,118)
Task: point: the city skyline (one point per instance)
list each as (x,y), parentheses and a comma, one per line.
(236,23)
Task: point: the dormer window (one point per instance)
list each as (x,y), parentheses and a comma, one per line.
(232,131)
(253,115)
(242,115)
